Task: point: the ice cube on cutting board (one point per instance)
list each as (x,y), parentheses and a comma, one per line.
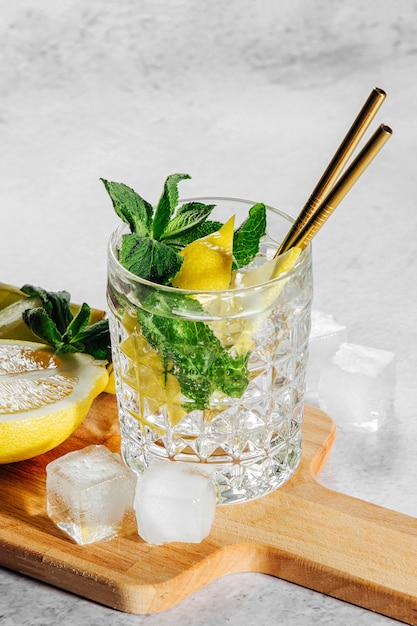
(325,337)
(357,387)
(174,502)
(90,494)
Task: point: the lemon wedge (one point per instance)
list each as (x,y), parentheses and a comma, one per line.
(145,373)
(240,332)
(43,397)
(208,261)
(9,294)
(271,269)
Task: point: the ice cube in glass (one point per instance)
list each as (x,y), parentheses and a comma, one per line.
(325,337)
(174,502)
(357,387)
(90,494)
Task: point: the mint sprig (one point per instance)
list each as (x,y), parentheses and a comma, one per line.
(151,249)
(54,324)
(188,349)
(191,351)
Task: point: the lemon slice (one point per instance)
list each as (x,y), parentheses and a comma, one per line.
(145,373)
(239,333)
(208,261)
(9,294)
(12,304)
(271,269)
(43,397)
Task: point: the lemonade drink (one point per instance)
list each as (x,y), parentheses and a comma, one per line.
(216,376)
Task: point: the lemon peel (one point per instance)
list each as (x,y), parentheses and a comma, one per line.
(9,294)
(43,397)
(271,269)
(208,261)
(239,333)
(146,373)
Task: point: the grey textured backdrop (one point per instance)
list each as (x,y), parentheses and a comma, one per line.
(251,99)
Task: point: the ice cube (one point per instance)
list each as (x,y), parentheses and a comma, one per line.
(325,337)
(90,494)
(357,386)
(174,502)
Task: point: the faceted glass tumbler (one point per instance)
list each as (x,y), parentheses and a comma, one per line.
(214,378)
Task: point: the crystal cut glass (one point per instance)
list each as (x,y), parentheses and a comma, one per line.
(248,436)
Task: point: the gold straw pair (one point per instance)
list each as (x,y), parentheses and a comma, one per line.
(330,190)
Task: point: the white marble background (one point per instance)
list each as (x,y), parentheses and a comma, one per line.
(251,99)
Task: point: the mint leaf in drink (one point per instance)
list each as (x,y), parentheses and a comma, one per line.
(142,252)
(149,259)
(230,374)
(191,351)
(188,216)
(167,204)
(130,207)
(247,237)
(151,251)
(196,232)
(187,348)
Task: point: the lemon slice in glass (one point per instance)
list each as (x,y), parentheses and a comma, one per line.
(208,261)
(239,333)
(43,397)
(145,373)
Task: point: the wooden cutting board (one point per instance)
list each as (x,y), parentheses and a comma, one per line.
(303,533)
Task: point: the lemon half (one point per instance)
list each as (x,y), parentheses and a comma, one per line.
(43,397)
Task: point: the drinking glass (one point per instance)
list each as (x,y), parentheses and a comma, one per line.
(215,379)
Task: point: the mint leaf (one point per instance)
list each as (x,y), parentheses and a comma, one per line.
(187,216)
(78,322)
(196,232)
(167,204)
(94,339)
(130,207)
(57,305)
(54,324)
(246,238)
(42,326)
(149,259)
(186,361)
(194,355)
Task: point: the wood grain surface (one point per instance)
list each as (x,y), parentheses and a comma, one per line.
(303,533)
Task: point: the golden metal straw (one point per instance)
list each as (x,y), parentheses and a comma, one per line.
(336,165)
(343,185)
